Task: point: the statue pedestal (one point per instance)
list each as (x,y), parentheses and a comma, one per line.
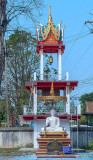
(51,142)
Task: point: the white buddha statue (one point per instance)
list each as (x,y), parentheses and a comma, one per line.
(52,124)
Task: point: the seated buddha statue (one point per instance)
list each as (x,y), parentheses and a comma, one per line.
(52,124)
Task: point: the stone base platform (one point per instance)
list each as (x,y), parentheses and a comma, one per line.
(56,156)
(53,138)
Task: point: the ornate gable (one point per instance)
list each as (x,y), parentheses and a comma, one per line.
(51,39)
(46,30)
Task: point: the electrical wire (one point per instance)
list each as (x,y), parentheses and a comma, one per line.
(73,45)
(85,52)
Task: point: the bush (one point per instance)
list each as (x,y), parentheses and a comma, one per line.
(30,145)
(91,144)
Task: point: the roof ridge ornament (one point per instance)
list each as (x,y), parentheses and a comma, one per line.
(50,27)
(50,17)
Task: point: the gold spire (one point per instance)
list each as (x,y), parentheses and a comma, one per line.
(50,27)
(49,10)
(50,17)
(52,89)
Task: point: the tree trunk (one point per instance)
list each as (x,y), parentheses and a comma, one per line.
(3,24)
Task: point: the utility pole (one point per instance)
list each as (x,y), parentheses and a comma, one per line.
(7,104)
(88,22)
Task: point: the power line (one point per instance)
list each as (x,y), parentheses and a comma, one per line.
(75,65)
(73,44)
(69,41)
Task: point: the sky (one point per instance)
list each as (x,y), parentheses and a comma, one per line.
(78,39)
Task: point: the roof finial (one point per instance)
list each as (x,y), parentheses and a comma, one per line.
(50,17)
(52,89)
(49,10)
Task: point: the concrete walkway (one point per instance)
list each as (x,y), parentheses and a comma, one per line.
(28,150)
(34,150)
(78,150)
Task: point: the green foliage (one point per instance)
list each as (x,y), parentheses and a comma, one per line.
(2,110)
(89,147)
(3,116)
(22,63)
(91,144)
(83,119)
(29,145)
(84,98)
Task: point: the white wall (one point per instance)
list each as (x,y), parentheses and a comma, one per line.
(13,137)
(66,124)
(38,124)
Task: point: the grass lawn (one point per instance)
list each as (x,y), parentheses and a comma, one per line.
(11,152)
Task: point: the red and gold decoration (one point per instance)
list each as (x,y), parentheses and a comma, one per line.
(52,97)
(49,35)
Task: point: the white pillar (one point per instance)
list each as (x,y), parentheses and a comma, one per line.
(34,76)
(67,76)
(35,100)
(68,100)
(25,110)
(79,109)
(67,95)
(59,65)
(35,133)
(64,94)
(41,64)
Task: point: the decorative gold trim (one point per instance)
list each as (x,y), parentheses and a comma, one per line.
(54,98)
(50,27)
(48,140)
(53,133)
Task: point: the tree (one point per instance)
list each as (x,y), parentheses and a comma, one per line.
(3,111)
(22,63)
(21,66)
(83,99)
(9,10)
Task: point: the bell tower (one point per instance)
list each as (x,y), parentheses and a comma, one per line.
(50,40)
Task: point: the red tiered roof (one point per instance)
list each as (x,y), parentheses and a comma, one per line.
(50,37)
(42,85)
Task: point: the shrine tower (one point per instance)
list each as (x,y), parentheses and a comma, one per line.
(50,40)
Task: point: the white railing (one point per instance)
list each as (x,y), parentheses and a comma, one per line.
(43,110)
(49,77)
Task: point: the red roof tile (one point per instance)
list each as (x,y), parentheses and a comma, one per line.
(89,106)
